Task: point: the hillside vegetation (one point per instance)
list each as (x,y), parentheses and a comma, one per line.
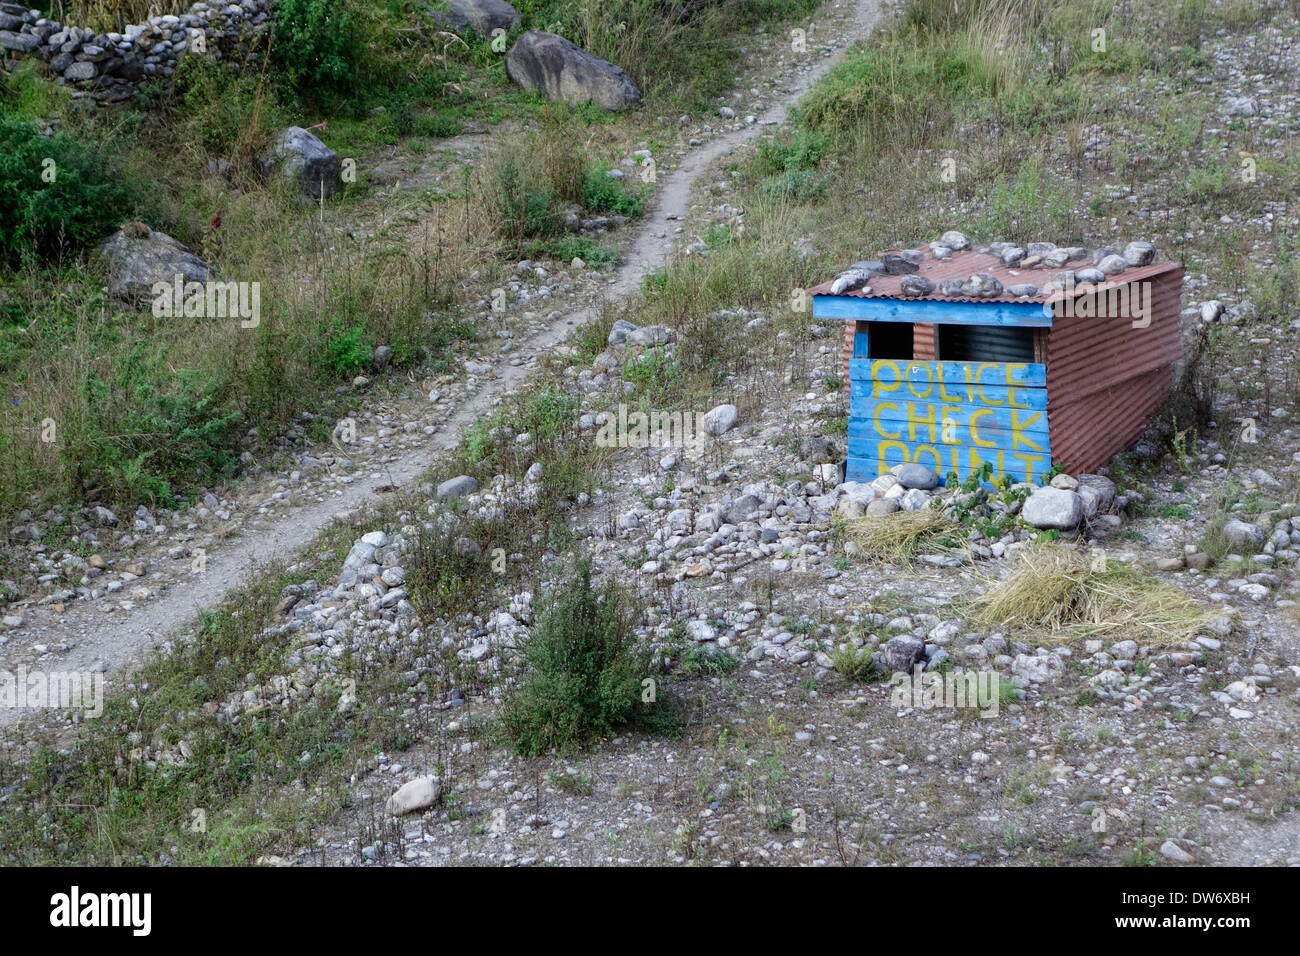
(1052,137)
(156,411)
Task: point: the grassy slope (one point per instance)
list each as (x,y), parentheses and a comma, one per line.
(156,410)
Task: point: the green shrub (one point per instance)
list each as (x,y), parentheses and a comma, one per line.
(603,193)
(567,247)
(582,674)
(855,663)
(803,151)
(446,573)
(548,414)
(347,349)
(521,207)
(1035,204)
(718,235)
(215,107)
(706,659)
(86,200)
(655,376)
(151,432)
(315,45)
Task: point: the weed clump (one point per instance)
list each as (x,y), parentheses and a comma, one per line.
(855,663)
(582,675)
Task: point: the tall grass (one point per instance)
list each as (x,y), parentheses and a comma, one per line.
(153,408)
(110,15)
(909,88)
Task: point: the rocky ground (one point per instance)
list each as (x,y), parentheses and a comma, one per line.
(1105,749)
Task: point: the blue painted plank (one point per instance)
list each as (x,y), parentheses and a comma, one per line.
(919,374)
(1014,443)
(861,349)
(890,417)
(993,396)
(864,469)
(869,469)
(1024,314)
(863,403)
(1021,464)
(1013,385)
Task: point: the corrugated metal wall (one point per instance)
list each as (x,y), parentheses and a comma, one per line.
(850,329)
(923,341)
(1106,379)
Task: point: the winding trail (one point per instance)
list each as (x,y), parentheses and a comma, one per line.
(117,642)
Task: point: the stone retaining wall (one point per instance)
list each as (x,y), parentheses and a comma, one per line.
(110,66)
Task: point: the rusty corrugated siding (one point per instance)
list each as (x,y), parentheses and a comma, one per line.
(1106,379)
(923,341)
(849,330)
(1099,426)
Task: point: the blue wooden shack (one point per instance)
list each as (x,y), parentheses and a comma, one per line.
(962,361)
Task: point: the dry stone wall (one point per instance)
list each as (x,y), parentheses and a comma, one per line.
(110,67)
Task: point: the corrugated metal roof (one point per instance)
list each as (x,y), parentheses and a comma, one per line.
(967,262)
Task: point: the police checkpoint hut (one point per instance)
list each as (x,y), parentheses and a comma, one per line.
(1019,357)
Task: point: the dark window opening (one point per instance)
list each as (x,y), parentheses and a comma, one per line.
(984,343)
(889,340)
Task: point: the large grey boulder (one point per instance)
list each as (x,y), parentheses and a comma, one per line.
(619,331)
(1053,508)
(481,16)
(418,794)
(564,71)
(912,475)
(138,257)
(901,653)
(305,159)
(1097,492)
(648,336)
(720,420)
(455,487)
(742,508)
(1243,535)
